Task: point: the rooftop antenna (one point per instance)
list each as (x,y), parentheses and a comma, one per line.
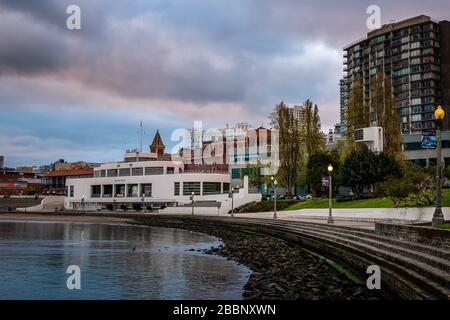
(141,134)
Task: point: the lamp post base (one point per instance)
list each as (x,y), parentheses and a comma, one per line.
(275,216)
(438,217)
(330,220)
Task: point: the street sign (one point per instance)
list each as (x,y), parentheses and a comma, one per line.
(325,181)
(428,140)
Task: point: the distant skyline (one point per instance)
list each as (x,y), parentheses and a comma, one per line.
(81,94)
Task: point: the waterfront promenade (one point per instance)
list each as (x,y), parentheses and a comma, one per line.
(414,260)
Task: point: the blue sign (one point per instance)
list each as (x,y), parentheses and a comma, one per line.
(428,140)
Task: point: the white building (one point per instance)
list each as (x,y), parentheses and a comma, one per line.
(371,136)
(154,181)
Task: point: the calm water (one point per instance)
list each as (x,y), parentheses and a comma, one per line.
(34,257)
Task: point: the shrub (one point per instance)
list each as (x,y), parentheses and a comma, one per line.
(110,207)
(137,206)
(124,207)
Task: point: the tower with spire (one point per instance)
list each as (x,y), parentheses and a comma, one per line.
(157,145)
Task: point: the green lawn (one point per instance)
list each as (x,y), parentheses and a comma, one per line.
(363,203)
(445,226)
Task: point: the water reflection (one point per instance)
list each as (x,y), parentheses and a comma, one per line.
(34,257)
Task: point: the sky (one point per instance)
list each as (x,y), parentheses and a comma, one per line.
(81,94)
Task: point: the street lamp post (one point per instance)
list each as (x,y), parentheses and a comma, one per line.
(82,202)
(438,216)
(274,198)
(143,202)
(330,195)
(192,198)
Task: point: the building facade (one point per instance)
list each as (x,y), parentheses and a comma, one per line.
(152,180)
(414,55)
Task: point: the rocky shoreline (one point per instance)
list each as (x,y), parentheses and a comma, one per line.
(280,270)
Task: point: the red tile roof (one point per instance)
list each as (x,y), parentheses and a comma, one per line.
(64,173)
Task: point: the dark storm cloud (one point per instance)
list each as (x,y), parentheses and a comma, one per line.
(212,60)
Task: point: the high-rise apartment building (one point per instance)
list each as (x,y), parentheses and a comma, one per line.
(414,54)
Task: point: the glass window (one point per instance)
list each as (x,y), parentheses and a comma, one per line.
(120,190)
(146,190)
(176,189)
(170,170)
(189,187)
(124,172)
(96,191)
(153,170)
(108,191)
(211,187)
(132,190)
(72,191)
(226,187)
(137,171)
(112,173)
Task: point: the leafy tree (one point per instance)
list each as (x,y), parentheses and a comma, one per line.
(382,103)
(311,133)
(290,145)
(446,172)
(416,185)
(358,113)
(317,167)
(363,167)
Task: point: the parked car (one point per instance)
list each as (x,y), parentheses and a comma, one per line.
(299,198)
(308,196)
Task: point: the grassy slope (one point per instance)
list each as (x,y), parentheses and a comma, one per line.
(364,203)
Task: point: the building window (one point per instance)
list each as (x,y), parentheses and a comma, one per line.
(112,173)
(236,173)
(132,190)
(226,187)
(96,191)
(120,190)
(108,191)
(124,172)
(416,101)
(72,191)
(211,188)
(102,173)
(153,171)
(416,109)
(176,188)
(146,190)
(170,170)
(137,171)
(189,187)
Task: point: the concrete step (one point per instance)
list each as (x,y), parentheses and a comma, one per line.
(426,270)
(429,250)
(400,247)
(409,284)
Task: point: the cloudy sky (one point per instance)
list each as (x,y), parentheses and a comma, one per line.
(81,94)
